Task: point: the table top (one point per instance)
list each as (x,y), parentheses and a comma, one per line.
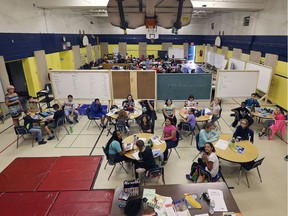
(183,111)
(137,112)
(250,151)
(177,193)
(258,115)
(147,136)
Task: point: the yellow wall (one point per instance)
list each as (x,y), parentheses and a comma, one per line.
(53,61)
(111,48)
(93,53)
(83,56)
(152,49)
(133,49)
(278,90)
(31,76)
(67,60)
(199,58)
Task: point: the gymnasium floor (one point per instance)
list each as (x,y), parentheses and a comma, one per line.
(266,198)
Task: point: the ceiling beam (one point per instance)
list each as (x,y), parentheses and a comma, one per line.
(81,4)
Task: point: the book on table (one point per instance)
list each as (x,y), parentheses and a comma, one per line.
(128,146)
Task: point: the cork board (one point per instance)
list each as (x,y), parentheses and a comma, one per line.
(103,49)
(146,85)
(42,68)
(121,84)
(271,60)
(255,56)
(142,49)
(165,46)
(76,54)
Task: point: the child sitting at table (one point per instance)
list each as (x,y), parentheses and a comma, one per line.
(128,104)
(122,119)
(28,124)
(190,102)
(191,120)
(145,125)
(243,132)
(207,134)
(241,113)
(59,113)
(147,160)
(215,110)
(114,147)
(252,101)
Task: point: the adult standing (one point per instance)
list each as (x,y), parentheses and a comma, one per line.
(13,103)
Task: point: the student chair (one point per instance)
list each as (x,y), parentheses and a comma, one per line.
(187,127)
(21,131)
(164,118)
(60,122)
(154,173)
(198,148)
(279,125)
(249,166)
(111,162)
(92,119)
(177,142)
(208,177)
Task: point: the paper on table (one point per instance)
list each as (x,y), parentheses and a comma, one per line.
(163,211)
(217,196)
(221,144)
(156,140)
(136,155)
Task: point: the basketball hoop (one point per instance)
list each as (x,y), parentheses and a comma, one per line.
(151,28)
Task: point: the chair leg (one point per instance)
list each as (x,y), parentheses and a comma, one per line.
(196,156)
(259,174)
(240,173)
(218,124)
(177,152)
(192,135)
(111,171)
(247,180)
(106,165)
(90,122)
(97,125)
(66,129)
(17,140)
(163,177)
(170,151)
(124,168)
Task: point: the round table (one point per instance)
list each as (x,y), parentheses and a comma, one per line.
(132,115)
(205,118)
(260,117)
(147,136)
(250,151)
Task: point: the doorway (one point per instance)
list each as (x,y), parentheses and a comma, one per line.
(16,77)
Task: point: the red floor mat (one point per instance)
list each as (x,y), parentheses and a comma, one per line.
(72,173)
(25,174)
(27,203)
(97,202)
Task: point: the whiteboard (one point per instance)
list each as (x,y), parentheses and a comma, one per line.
(177,52)
(265,75)
(82,84)
(215,59)
(236,64)
(2,93)
(235,84)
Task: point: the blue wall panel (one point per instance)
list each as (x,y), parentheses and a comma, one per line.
(24,43)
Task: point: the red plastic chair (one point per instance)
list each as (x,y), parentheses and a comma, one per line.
(278,125)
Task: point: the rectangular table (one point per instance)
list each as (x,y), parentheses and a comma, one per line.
(177,193)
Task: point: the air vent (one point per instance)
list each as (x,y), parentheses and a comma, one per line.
(246,21)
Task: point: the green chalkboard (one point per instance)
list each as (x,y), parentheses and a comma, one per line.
(180,86)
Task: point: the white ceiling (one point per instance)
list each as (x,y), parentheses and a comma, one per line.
(201,8)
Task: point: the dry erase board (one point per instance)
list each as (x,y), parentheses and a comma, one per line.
(232,83)
(82,84)
(215,59)
(177,52)
(236,64)
(265,75)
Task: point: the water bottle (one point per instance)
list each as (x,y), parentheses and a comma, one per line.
(71,129)
(211,207)
(135,138)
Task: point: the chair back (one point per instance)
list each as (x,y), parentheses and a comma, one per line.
(60,122)
(177,137)
(88,113)
(21,130)
(251,135)
(258,163)
(197,142)
(220,111)
(205,173)
(106,152)
(155,172)
(186,126)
